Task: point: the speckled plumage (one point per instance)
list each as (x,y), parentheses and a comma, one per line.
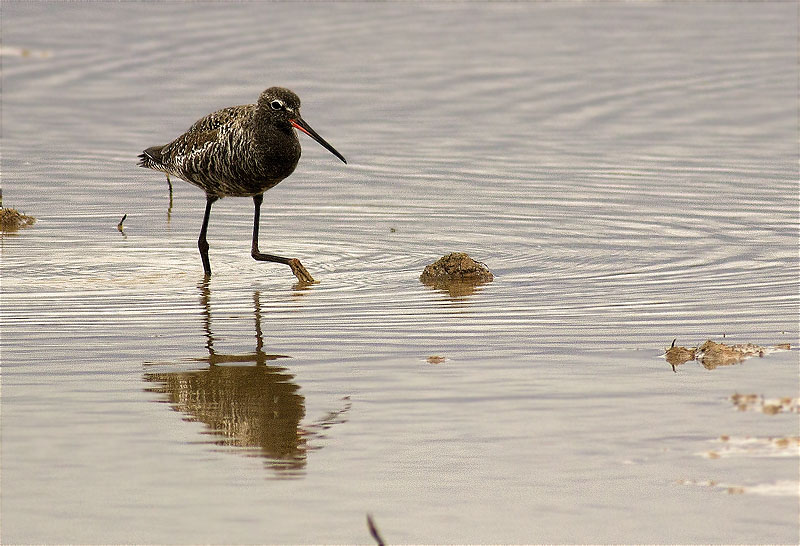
(239,151)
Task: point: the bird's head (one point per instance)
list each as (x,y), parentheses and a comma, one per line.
(282,106)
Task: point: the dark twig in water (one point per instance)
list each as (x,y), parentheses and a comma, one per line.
(373,530)
(672,347)
(119,226)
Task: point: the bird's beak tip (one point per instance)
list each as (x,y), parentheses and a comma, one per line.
(299,123)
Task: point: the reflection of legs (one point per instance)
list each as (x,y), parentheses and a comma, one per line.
(202,243)
(297,268)
(259,335)
(205,300)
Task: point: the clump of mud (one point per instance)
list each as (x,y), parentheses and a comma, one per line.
(679,355)
(457,273)
(712,354)
(749,446)
(13,220)
(770,406)
(780,488)
(11,51)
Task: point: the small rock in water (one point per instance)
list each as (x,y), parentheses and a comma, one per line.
(456,267)
(456,273)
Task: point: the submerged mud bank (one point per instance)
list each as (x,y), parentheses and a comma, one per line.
(712,354)
(12,220)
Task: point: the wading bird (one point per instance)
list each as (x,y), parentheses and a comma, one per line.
(240,151)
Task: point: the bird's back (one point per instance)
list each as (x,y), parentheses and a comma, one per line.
(228,152)
(227,116)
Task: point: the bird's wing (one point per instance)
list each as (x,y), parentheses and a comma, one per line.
(189,153)
(212,160)
(215,152)
(226,116)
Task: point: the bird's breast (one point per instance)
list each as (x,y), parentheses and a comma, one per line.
(277,152)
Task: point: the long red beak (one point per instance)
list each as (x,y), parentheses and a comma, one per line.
(299,123)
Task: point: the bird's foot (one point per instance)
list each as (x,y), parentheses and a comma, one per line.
(300,272)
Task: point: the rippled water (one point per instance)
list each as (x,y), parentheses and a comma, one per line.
(628,172)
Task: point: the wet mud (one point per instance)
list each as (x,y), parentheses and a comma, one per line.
(457,273)
(12,220)
(713,355)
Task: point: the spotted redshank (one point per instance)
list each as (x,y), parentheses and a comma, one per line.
(240,151)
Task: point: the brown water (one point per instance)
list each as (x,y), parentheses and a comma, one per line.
(628,172)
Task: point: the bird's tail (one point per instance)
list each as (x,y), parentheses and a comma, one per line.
(151,158)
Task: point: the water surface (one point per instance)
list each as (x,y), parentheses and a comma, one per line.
(628,172)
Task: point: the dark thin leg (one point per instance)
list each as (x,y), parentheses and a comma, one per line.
(297,268)
(169,209)
(373,530)
(202,243)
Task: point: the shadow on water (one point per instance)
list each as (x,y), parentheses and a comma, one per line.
(246,401)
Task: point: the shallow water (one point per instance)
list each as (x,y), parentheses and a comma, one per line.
(628,173)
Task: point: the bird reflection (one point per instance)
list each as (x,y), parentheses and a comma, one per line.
(247,401)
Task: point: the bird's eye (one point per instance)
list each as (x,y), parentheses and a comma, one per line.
(276,105)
